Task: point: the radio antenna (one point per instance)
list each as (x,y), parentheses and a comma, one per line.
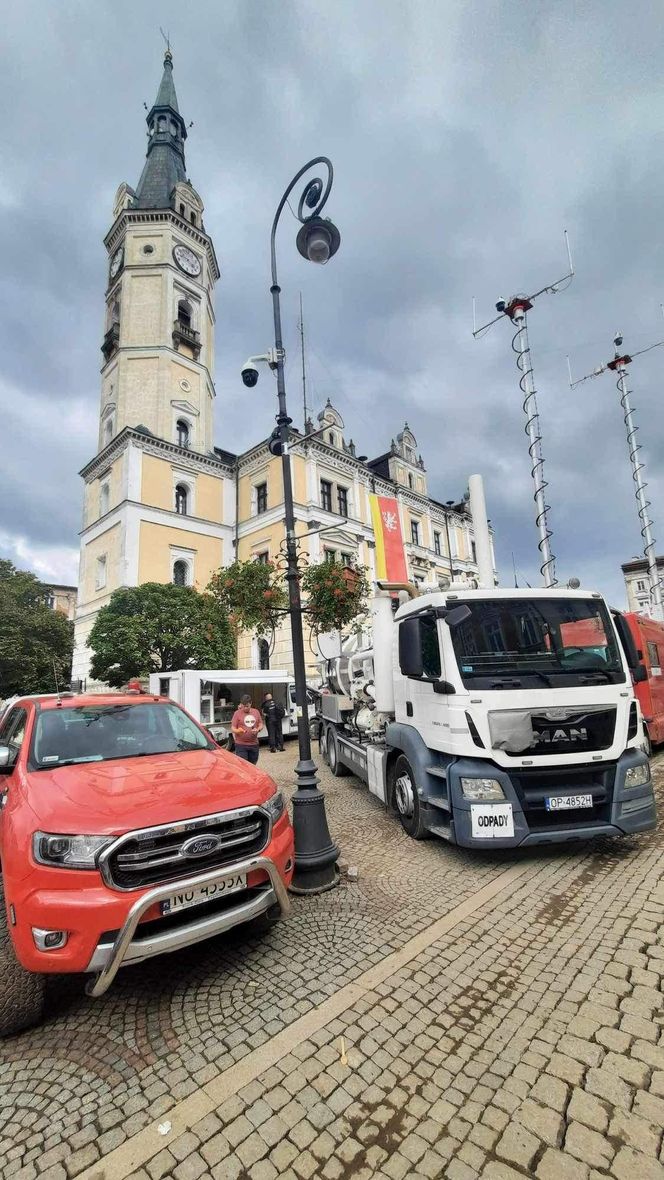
(618,366)
(515,308)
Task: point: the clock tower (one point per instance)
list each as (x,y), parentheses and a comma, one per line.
(159,497)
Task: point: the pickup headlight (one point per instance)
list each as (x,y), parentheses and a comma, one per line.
(275,806)
(637,776)
(69,852)
(482,790)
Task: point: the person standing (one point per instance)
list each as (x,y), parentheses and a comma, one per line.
(273,714)
(245,727)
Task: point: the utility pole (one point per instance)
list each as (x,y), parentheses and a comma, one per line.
(516,308)
(619,366)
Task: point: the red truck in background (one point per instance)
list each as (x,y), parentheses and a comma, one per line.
(648,637)
(125,832)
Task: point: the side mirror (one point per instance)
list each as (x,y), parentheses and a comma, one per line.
(639,673)
(5,760)
(410,648)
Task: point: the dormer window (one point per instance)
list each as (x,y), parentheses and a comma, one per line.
(183,433)
(331,438)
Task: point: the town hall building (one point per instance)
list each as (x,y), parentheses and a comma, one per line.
(162,503)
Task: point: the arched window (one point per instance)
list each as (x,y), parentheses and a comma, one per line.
(181,209)
(184,313)
(193,218)
(180,572)
(115,312)
(181,499)
(104,499)
(108,430)
(183,432)
(161,124)
(263,655)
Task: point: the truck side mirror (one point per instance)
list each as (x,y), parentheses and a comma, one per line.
(640,673)
(410,648)
(457,615)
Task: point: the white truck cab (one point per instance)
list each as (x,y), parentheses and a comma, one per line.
(494,718)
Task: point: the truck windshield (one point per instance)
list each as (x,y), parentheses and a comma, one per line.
(539,642)
(99,733)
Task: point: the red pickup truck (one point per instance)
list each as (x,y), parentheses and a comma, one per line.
(125,832)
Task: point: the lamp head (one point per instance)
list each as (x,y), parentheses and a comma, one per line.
(318,239)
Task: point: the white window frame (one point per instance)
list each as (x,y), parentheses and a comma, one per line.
(104,498)
(182,417)
(188,481)
(188,557)
(256,483)
(101,571)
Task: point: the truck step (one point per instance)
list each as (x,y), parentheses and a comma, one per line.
(440,830)
(437,772)
(442,803)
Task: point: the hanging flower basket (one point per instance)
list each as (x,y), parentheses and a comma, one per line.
(336,595)
(252,593)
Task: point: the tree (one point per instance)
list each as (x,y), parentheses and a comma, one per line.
(158,627)
(32,636)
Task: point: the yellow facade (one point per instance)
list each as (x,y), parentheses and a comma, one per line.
(108,546)
(156,543)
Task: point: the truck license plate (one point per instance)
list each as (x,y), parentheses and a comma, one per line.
(568,802)
(182,901)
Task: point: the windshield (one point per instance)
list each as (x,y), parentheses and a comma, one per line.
(537,642)
(99,733)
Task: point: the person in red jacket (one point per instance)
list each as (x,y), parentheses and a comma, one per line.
(246,726)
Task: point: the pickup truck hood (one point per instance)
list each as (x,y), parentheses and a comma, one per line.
(110,798)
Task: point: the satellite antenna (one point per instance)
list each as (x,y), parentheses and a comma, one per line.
(618,365)
(515,308)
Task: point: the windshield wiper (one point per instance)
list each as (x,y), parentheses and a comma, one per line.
(69,762)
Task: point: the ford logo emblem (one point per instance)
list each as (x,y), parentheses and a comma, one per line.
(201,845)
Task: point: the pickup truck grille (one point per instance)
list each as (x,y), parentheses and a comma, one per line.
(155,856)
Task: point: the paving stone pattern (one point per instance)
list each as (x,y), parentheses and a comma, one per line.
(527,1041)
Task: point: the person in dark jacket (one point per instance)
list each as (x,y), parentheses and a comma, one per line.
(273,714)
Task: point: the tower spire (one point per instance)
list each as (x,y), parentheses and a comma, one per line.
(165,165)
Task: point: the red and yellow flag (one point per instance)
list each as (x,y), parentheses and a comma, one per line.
(390,557)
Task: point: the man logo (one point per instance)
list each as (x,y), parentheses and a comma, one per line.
(547,736)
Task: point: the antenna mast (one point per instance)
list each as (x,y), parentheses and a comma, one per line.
(304,370)
(515,308)
(619,366)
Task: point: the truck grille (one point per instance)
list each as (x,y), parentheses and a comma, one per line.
(547,732)
(534,786)
(155,856)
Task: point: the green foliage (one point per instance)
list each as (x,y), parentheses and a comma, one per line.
(32,636)
(159,627)
(252,594)
(336,595)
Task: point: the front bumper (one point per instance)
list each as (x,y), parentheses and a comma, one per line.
(126,948)
(622,810)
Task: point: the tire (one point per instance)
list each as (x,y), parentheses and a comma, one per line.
(405,800)
(230,744)
(647,744)
(21,991)
(322,743)
(333,760)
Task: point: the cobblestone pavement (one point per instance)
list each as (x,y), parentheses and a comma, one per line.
(447,1014)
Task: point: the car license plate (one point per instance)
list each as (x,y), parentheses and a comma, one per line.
(568,802)
(191,897)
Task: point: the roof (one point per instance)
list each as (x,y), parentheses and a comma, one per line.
(639,565)
(454,597)
(165,164)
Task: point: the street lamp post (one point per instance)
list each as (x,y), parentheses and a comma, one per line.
(315,853)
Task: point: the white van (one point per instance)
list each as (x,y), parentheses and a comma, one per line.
(213,695)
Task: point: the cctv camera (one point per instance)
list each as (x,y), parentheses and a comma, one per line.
(617,340)
(501,304)
(249,374)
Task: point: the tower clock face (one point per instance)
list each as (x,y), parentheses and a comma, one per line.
(187,260)
(116,261)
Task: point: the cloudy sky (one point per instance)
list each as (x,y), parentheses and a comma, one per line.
(465,137)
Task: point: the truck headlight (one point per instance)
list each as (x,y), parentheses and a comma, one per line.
(275,806)
(637,776)
(69,852)
(481,789)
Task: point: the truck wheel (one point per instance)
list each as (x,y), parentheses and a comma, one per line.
(21,991)
(322,742)
(406,801)
(333,760)
(647,744)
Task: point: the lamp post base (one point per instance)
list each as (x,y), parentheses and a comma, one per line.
(316,854)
